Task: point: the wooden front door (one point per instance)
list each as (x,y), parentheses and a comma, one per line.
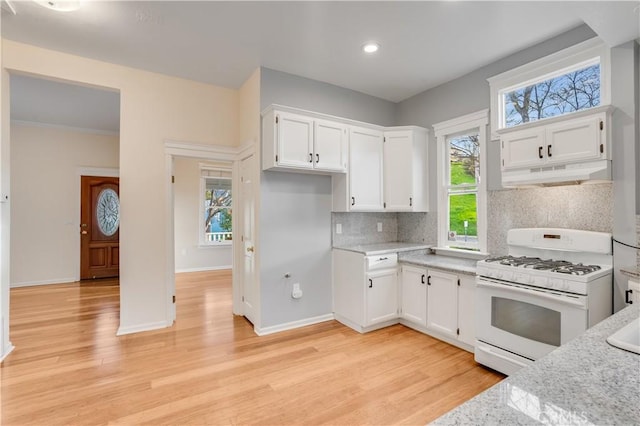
(99,227)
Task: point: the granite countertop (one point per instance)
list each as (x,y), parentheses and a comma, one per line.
(631,272)
(448,263)
(586,381)
(382,248)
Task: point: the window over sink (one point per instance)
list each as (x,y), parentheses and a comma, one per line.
(461,190)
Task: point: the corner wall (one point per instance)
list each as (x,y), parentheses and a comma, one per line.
(295,209)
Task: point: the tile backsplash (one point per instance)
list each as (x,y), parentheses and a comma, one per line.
(588,207)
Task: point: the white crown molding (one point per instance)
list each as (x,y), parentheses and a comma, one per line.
(26,123)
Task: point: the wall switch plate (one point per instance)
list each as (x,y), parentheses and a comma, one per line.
(338,228)
(379,226)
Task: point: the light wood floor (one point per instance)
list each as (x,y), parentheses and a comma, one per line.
(210,368)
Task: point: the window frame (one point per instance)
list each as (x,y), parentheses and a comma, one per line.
(564,61)
(469,123)
(224,173)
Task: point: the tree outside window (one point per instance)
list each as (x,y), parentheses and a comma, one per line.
(217,210)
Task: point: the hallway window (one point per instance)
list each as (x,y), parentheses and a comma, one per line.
(216,201)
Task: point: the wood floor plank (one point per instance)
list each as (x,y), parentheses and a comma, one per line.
(69,367)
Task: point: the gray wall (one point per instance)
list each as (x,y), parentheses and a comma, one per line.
(624,92)
(295,210)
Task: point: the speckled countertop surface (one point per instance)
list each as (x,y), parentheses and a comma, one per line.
(382,248)
(448,263)
(586,381)
(631,272)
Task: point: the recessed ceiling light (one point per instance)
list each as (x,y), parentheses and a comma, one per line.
(60,5)
(371,47)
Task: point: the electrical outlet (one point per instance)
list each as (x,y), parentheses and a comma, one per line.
(296,293)
(379,226)
(338,228)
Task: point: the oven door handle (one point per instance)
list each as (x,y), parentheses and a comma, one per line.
(567,300)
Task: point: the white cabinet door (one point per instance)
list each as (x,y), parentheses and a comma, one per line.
(414,295)
(382,297)
(294,140)
(365,169)
(330,146)
(466,312)
(574,140)
(525,148)
(442,302)
(398,171)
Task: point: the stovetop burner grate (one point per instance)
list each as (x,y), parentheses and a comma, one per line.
(560,266)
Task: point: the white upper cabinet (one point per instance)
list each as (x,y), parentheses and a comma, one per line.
(405,170)
(557,141)
(365,169)
(303,143)
(330,146)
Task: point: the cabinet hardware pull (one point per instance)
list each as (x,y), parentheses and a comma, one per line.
(353,201)
(627,299)
(422,279)
(539,152)
(549,150)
(410,202)
(429,280)
(370,283)
(310,157)
(383,258)
(317,158)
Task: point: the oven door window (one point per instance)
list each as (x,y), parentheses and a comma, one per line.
(526,320)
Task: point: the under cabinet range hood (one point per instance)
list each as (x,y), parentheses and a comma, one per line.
(563,174)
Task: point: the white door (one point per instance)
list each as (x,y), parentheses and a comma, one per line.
(249,292)
(414,294)
(398,172)
(574,140)
(442,302)
(382,296)
(294,140)
(524,148)
(365,171)
(330,146)
(466,309)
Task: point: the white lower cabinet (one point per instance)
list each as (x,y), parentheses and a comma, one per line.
(442,303)
(414,295)
(439,303)
(365,290)
(381,297)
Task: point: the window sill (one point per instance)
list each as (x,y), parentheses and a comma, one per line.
(215,245)
(465,254)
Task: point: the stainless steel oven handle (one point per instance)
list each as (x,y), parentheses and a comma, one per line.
(567,300)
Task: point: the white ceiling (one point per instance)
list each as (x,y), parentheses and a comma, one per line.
(424,43)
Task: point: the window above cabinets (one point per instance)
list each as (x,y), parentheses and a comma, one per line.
(571,80)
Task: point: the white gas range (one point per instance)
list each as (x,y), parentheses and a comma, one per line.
(553,285)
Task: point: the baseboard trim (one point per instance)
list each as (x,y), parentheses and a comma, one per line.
(207,268)
(7,351)
(142,327)
(44,282)
(292,325)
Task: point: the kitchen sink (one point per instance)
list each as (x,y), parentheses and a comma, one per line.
(628,337)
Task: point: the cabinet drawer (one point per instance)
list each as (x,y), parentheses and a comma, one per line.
(384,261)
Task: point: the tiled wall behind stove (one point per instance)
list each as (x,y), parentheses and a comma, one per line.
(588,207)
